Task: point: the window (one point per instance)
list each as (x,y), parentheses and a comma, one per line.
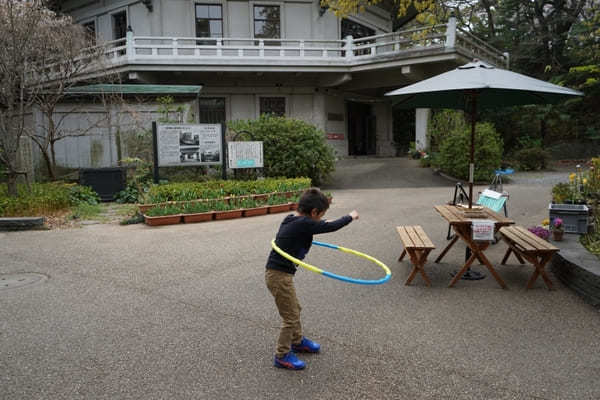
(90,30)
(209,22)
(212,110)
(119,25)
(357,31)
(272,105)
(267,23)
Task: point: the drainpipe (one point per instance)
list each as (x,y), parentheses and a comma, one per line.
(451,32)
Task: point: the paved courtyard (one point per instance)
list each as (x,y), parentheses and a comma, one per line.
(182,312)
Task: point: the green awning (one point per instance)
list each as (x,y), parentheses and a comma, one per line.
(189,90)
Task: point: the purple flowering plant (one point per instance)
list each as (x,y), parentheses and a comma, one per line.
(557,224)
(540,232)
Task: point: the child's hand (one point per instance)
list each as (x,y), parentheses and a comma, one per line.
(354,214)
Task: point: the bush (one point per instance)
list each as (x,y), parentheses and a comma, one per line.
(532,158)
(454,152)
(83,195)
(38,199)
(292,148)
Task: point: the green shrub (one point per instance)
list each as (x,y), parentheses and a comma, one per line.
(38,199)
(85,210)
(292,148)
(561,192)
(83,195)
(454,152)
(196,207)
(532,158)
(163,211)
(186,191)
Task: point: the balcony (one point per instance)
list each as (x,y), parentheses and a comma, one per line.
(416,46)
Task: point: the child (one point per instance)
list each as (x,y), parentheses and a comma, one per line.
(295,238)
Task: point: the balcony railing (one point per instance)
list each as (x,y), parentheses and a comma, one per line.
(347,52)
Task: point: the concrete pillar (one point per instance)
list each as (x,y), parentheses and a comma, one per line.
(421,119)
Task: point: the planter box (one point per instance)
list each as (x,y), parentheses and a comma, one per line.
(261,197)
(279,208)
(228,214)
(293,206)
(198,217)
(162,220)
(574,216)
(251,212)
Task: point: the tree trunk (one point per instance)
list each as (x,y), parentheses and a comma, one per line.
(49,165)
(11,184)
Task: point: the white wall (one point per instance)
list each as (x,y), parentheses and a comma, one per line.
(336,105)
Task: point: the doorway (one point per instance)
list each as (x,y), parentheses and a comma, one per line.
(361,130)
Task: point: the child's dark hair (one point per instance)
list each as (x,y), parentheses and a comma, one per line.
(312,199)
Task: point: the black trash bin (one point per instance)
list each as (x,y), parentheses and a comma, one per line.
(107,182)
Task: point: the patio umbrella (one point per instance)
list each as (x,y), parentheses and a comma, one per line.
(478,85)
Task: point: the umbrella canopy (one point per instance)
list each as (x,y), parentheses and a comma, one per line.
(493,87)
(478,85)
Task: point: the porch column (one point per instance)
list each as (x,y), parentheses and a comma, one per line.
(421,119)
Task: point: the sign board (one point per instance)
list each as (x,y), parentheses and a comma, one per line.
(335,136)
(189,145)
(245,154)
(483,229)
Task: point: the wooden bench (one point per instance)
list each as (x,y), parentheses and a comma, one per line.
(417,245)
(534,249)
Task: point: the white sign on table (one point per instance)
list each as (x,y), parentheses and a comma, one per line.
(245,154)
(483,229)
(188,145)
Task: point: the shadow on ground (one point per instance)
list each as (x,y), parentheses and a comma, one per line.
(379,173)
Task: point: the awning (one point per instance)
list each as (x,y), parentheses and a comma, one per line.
(188,90)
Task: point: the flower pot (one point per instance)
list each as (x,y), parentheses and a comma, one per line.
(145,207)
(251,212)
(198,217)
(279,208)
(557,235)
(162,220)
(293,206)
(228,214)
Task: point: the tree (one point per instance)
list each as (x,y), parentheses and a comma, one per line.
(24,30)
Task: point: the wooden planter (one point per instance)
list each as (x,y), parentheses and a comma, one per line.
(293,206)
(279,208)
(251,212)
(198,217)
(261,197)
(228,214)
(145,207)
(162,220)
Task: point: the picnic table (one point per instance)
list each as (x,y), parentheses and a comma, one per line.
(461,224)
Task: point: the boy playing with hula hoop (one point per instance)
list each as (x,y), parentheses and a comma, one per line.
(295,237)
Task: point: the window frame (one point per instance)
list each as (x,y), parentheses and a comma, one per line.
(274,95)
(112,22)
(222,19)
(281,5)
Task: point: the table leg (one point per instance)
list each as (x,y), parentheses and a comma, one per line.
(539,266)
(460,273)
(402,255)
(437,260)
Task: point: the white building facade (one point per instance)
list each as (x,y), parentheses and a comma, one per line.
(290,58)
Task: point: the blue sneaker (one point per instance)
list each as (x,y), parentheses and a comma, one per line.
(289,361)
(306,346)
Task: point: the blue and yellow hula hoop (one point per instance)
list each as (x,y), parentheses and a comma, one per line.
(312,268)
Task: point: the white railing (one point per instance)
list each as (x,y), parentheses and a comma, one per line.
(346,51)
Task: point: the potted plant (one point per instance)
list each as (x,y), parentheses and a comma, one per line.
(278,204)
(227,210)
(557,229)
(252,207)
(539,232)
(165,215)
(197,211)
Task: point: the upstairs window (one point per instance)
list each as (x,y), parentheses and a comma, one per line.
(119,25)
(267,22)
(209,21)
(357,31)
(90,30)
(273,106)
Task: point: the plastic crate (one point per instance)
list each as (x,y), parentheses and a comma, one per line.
(574,216)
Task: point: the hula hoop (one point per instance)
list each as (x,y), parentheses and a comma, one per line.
(312,268)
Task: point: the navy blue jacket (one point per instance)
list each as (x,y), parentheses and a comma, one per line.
(295,237)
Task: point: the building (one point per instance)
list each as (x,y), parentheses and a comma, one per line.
(290,58)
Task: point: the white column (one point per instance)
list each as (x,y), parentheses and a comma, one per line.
(421,119)
(451,32)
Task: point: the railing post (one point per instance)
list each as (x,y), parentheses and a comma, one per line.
(129,46)
(302,48)
(219,47)
(175,49)
(348,46)
(261,48)
(507,57)
(451,32)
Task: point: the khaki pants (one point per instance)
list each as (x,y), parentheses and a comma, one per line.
(281,286)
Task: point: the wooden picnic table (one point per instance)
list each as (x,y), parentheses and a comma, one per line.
(462,226)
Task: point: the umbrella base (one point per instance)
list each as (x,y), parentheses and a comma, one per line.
(470,275)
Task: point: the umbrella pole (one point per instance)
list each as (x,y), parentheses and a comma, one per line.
(472,164)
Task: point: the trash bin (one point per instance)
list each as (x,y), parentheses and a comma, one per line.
(107,182)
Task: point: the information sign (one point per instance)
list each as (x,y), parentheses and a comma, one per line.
(188,145)
(245,154)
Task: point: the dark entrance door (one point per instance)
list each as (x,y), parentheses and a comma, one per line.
(361,130)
